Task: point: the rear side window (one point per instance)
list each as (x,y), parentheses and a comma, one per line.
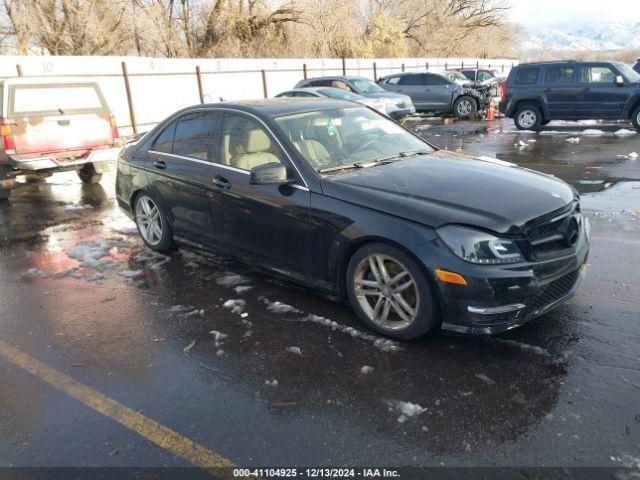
(59,99)
(194,135)
(164,142)
(559,75)
(393,80)
(597,75)
(435,80)
(410,80)
(319,83)
(527,76)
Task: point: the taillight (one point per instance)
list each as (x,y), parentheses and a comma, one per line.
(114,127)
(7,136)
(503,87)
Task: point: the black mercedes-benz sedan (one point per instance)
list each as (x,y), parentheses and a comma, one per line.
(343,199)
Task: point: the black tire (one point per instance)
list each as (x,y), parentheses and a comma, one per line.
(635,118)
(427,311)
(88,174)
(5,193)
(165,241)
(465,107)
(528,117)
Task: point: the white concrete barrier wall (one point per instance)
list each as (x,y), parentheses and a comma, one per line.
(160,86)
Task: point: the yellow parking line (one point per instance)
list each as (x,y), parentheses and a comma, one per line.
(143,426)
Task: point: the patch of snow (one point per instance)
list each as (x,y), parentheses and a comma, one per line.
(278,307)
(383,344)
(188,348)
(271,383)
(220,353)
(35,272)
(178,309)
(295,350)
(242,288)
(89,254)
(236,306)
(124,226)
(485,379)
(231,280)
(624,131)
(633,155)
(218,336)
(366,369)
(552,133)
(592,132)
(573,140)
(193,313)
(75,208)
(406,409)
(131,273)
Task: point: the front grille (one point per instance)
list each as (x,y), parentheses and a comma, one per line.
(554,234)
(554,290)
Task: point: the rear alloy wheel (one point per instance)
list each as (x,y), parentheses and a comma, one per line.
(89,175)
(528,118)
(635,118)
(152,224)
(390,292)
(465,107)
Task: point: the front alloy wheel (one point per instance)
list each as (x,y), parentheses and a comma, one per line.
(390,292)
(465,107)
(387,292)
(152,224)
(528,118)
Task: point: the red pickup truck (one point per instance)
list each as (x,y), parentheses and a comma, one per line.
(50,125)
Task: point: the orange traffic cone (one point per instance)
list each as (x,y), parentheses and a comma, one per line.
(490,113)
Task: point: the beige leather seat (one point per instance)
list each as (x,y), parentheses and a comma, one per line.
(313,151)
(253,151)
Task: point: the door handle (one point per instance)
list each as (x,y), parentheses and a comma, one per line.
(161,164)
(221,182)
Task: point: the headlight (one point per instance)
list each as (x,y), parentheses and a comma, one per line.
(476,246)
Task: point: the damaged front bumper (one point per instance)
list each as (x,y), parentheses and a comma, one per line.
(498,298)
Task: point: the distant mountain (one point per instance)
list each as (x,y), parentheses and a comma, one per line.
(571,38)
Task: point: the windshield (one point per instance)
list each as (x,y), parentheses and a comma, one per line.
(628,72)
(339,94)
(455,75)
(366,86)
(349,136)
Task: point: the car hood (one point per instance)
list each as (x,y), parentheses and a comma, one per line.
(444,187)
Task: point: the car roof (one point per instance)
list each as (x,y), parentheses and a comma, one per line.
(275,107)
(338,77)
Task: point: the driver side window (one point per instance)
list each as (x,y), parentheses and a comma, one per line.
(246,143)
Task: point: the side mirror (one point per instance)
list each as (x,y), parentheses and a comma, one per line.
(268,174)
(619,80)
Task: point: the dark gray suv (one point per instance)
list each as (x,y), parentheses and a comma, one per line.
(435,92)
(537,93)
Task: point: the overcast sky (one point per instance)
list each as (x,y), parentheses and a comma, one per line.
(548,12)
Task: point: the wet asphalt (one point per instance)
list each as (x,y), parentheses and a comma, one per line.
(80,292)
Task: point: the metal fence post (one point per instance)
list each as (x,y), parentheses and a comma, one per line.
(344,66)
(477,63)
(446,66)
(127,87)
(304,70)
(375,72)
(427,65)
(403,67)
(199,77)
(264,84)
(462,64)
(19,69)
